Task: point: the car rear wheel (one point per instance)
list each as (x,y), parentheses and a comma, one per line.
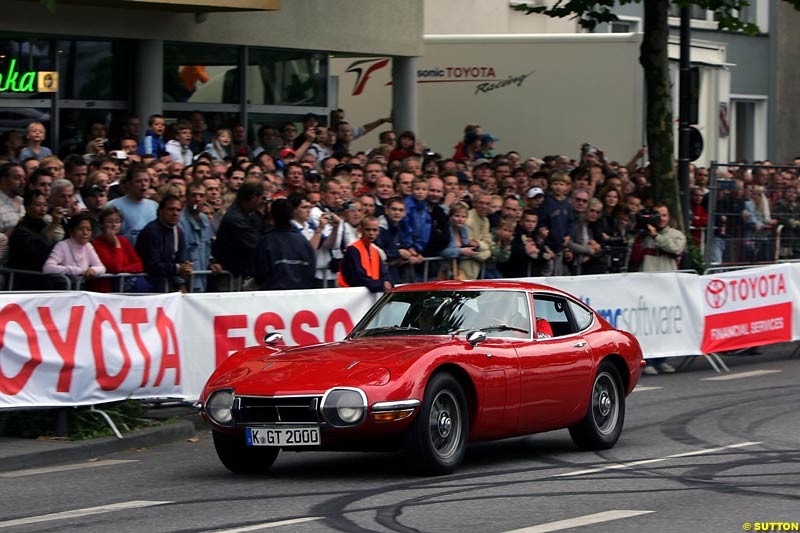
(240,458)
(601,427)
(437,440)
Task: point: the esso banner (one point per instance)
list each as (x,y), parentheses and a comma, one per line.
(78,348)
(660,309)
(746,308)
(219,324)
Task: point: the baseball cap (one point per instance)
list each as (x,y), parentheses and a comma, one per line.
(487,138)
(533,192)
(286,152)
(480,162)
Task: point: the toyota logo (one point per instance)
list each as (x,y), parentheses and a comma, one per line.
(716,293)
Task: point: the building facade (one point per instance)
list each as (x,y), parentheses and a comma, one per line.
(248,62)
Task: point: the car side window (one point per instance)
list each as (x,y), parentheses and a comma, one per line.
(583,317)
(555,310)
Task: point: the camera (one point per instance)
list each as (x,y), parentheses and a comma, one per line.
(119,155)
(644,218)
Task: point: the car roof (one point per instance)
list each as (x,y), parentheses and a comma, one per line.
(483,284)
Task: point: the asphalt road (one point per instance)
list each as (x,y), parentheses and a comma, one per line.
(697,454)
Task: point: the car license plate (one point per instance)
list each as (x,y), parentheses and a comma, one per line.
(288,436)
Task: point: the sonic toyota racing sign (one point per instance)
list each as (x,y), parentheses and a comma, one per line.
(485,78)
(747,308)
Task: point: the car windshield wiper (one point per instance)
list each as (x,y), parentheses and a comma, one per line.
(504,327)
(386,329)
(496,327)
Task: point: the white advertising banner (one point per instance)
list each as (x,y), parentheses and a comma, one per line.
(79,348)
(219,324)
(750,307)
(661,309)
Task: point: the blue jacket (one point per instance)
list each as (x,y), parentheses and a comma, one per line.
(454,250)
(558,217)
(160,254)
(420,222)
(391,240)
(198,236)
(152,144)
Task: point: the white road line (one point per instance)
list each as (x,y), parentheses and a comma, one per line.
(658,460)
(645,389)
(65,468)
(578,521)
(267,525)
(77,513)
(740,375)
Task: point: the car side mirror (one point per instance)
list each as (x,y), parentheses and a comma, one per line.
(272,338)
(475,337)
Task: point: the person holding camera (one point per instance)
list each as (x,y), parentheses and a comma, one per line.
(657,248)
(325,216)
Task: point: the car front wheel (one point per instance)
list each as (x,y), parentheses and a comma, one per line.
(437,440)
(602,426)
(240,458)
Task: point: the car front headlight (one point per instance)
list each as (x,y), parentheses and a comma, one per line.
(219,407)
(344,406)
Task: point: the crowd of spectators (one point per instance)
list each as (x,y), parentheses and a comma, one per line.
(193,210)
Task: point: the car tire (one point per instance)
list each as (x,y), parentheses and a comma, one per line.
(240,458)
(437,440)
(601,427)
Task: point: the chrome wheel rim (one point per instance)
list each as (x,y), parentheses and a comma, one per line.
(605,403)
(445,424)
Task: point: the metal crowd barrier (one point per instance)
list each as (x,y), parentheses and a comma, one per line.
(12,273)
(731,236)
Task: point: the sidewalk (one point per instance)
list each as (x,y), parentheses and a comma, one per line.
(17,454)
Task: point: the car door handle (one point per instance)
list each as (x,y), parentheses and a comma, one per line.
(579,344)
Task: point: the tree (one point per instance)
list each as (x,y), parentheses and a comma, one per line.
(655,61)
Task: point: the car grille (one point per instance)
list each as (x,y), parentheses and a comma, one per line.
(277,409)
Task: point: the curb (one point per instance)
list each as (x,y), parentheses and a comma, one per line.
(58,452)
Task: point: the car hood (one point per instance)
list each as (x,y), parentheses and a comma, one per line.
(314,369)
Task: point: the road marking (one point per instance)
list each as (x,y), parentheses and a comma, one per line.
(659,460)
(77,513)
(645,389)
(740,375)
(578,521)
(65,468)
(267,525)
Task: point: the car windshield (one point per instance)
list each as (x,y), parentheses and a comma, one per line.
(500,313)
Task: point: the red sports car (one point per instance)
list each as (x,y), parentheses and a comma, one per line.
(431,367)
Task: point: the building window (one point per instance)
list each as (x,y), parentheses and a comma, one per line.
(206,74)
(93,70)
(695,12)
(625,25)
(20,62)
(286,77)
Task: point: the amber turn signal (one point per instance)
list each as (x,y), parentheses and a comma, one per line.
(391,416)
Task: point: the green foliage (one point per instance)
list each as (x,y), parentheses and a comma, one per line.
(590,13)
(82,423)
(695,256)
